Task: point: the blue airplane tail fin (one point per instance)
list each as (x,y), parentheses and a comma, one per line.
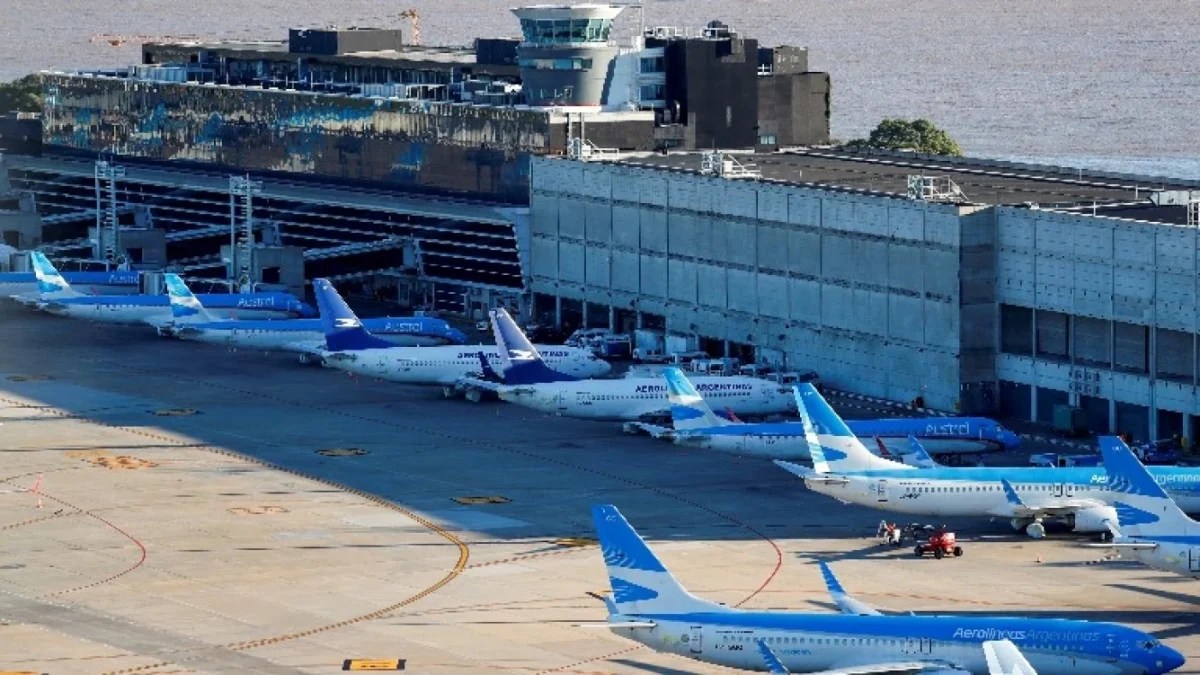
(521,362)
(640,582)
(185,306)
(343,330)
(831,440)
(486,369)
(51,284)
(688,409)
(1143,507)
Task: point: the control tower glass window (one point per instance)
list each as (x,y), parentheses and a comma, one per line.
(562,31)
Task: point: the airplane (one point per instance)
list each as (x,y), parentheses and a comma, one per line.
(351,347)
(191,321)
(696,425)
(940,435)
(57,297)
(115,282)
(648,605)
(1150,525)
(527,382)
(845,470)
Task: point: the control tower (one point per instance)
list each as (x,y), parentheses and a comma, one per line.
(566,55)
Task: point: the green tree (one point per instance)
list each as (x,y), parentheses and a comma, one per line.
(918,135)
(23,95)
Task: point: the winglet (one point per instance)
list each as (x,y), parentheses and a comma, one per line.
(772,662)
(844,601)
(486,369)
(1010,494)
(343,330)
(920,456)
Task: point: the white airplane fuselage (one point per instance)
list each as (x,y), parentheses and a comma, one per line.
(804,651)
(634,398)
(262,338)
(966,498)
(142,313)
(446,365)
(760,445)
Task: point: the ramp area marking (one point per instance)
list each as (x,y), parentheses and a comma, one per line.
(373,664)
(341,452)
(488,499)
(108,460)
(256,510)
(576,542)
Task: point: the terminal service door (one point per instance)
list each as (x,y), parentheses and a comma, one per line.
(881,490)
(695,638)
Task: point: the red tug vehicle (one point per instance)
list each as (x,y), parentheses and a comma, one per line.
(941,543)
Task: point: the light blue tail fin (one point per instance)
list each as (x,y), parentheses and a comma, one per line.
(521,363)
(1143,507)
(343,330)
(640,582)
(51,284)
(185,307)
(688,409)
(831,440)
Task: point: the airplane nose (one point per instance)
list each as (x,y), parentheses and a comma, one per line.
(1171,659)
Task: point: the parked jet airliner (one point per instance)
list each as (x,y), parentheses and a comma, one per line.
(1151,526)
(191,321)
(649,606)
(57,297)
(845,470)
(528,382)
(351,347)
(697,425)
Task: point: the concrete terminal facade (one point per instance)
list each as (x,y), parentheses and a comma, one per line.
(994,308)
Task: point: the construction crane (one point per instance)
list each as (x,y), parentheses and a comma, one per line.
(416,24)
(122,40)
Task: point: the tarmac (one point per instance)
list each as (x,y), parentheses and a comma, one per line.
(172,507)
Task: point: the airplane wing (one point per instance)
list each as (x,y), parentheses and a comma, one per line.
(480,383)
(893,667)
(845,602)
(1015,507)
(808,474)
(1004,658)
(618,624)
(655,431)
(310,347)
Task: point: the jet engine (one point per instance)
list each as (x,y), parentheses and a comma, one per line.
(1092,519)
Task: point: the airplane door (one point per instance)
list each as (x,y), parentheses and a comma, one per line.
(694,639)
(1194,559)
(881,490)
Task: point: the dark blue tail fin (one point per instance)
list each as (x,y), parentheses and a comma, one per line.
(343,330)
(486,369)
(522,364)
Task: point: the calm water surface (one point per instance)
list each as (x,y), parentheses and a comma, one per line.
(1105,83)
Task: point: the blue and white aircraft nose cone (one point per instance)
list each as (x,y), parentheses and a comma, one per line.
(1008,439)
(1170,659)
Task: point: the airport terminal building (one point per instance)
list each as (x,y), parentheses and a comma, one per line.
(977,286)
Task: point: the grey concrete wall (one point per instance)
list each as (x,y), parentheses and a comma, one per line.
(1103,268)
(862,288)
